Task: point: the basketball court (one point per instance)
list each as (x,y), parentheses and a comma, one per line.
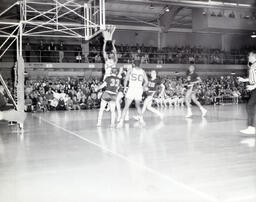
(62,156)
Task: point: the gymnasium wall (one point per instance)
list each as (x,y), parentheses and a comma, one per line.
(236,41)
(223,41)
(87,70)
(132,37)
(44,70)
(192,39)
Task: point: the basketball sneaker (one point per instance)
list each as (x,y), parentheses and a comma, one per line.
(204,112)
(137,118)
(161,116)
(249,131)
(189,113)
(21,125)
(120,124)
(99,124)
(141,120)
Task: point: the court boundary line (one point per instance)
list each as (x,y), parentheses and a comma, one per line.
(120,156)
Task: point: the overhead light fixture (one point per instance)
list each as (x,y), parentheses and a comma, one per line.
(167,9)
(230,4)
(216,3)
(244,5)
(253,35)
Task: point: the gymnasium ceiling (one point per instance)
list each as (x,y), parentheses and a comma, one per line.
(150,12)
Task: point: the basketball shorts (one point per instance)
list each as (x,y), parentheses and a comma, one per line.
(134,94)
(108,97)
(150,93)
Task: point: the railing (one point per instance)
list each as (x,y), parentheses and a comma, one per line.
(125,57)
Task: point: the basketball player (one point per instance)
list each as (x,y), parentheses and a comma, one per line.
(252,88)
(192,79)
(111,57)
(138,81)
(121,94)
(112,84)
(153,83)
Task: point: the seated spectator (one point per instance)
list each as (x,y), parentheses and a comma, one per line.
(61,104)
(28,104)
(69,104)
(76,104)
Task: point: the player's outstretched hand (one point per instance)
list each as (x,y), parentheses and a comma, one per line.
(240,79)
(107,35)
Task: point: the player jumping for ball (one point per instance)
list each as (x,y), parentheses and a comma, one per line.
(110,57)
(138,81)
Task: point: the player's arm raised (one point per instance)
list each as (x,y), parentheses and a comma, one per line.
(243,80)
(114,51)
(104,50)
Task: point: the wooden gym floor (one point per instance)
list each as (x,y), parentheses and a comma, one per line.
(64,157)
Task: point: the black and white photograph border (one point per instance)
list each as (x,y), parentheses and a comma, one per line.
(127,101)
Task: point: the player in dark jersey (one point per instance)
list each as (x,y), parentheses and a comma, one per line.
(150,91)
(121,94)
(192,80)
(111,85)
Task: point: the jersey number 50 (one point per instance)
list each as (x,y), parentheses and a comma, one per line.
(136,77)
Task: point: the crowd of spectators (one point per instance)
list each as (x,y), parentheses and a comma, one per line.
(61,94)
(79,94)
(229,13)
(60,52)
(176,55)
(212,90)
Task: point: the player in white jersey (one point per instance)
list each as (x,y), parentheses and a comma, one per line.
(110,57)
(138,81)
